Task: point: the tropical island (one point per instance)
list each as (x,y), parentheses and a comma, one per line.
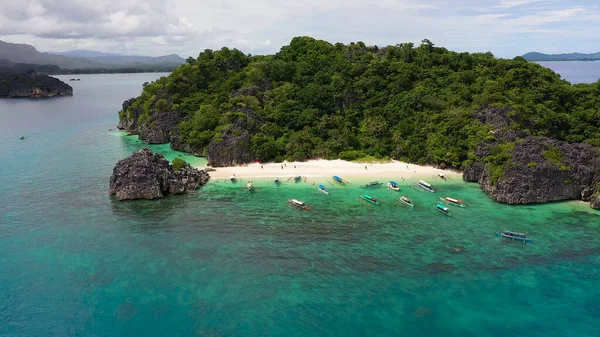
(535,56)
(515,127)
(30,84)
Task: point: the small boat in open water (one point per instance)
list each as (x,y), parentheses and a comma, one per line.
(425,185)
(392,185)
(323,189)
(454,202)
(443,209)
(299,204)
(370,199)
(514,236)
(406,201)
(373,184)
(339,180)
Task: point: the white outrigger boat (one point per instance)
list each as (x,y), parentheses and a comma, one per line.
(425,185)
(392,185)
(514,236)
(233,179)
(442,176)
(298,204)
(323,189)
(454,202)
(406,201)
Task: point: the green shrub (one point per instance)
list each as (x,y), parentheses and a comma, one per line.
(567,181)
(178,163)
(532,164)
(556,157)
(351,155)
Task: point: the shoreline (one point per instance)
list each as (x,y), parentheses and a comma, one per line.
(321,168)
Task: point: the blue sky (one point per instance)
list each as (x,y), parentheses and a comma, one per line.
(505,27)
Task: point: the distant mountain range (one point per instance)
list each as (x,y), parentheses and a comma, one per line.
(85,59)
(534,56)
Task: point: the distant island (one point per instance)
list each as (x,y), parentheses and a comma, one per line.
(534,56)
(32,85)
(512,125)
(82,61)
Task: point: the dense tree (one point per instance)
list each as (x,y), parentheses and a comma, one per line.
(416,103)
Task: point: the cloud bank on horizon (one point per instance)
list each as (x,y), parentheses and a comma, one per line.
(155,27)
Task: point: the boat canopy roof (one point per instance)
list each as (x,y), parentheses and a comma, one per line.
(452,200)
(393,182)
(441,207)
(337,178)
(296,201)
(367,196)
(515,234)
(424,183)
(321,186)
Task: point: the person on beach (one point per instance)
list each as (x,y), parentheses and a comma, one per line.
(365,167)
(282,167)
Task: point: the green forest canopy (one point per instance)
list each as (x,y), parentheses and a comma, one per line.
(314,99)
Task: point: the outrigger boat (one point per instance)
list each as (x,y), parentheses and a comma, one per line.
(323,189)
(454,202)
(442,176)
(339,180)
(297,178)
(299,204)
(276,181)
(425,185)
(232,178)
(370,199)
(514,236)
(443,209)
(250,187)
(373,184)
(392,185)
(406,201)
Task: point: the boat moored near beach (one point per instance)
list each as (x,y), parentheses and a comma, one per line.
(249,186)
(514,236)
(425,185)
(298,204)
(297,178)
(370,199)
(233,179)
(392,185)
(406,201)
(339,180)
(454,202)
(442,176)
(276,181)
(373,184)
(442,209)
(323,189)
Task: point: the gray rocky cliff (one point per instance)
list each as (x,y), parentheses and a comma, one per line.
(147,175)
(31,85)
(539,169)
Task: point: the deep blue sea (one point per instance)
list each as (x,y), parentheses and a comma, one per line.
(575,71)
(224,262)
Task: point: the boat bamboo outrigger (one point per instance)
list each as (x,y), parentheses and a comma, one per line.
(299,204)
(514,236)
(406,201)
(323,189)
(370,199)
(442,209)
(392,185)
(373,184)
(339,180)
(425,185)
(454,202)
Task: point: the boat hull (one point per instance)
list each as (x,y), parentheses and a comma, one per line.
(514,238)
(453,204)
(406,203)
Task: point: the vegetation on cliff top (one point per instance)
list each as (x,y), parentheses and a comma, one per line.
(314,99)
(32,85)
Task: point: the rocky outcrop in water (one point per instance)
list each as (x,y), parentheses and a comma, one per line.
(31,85)
(147,175)
(536,169)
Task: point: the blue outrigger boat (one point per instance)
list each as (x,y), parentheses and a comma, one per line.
(514,236)
(339,180)
(443,209)
(370,199)
(323,189)
(425,185)
(392,185)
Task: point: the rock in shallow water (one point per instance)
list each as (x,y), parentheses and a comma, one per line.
(147,175)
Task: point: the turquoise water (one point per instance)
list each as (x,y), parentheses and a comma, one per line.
(225,262)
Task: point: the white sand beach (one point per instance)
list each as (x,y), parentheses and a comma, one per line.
(327,168)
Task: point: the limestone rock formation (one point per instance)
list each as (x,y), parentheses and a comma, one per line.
(147,175)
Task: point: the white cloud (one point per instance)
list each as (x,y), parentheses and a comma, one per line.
(506,27)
